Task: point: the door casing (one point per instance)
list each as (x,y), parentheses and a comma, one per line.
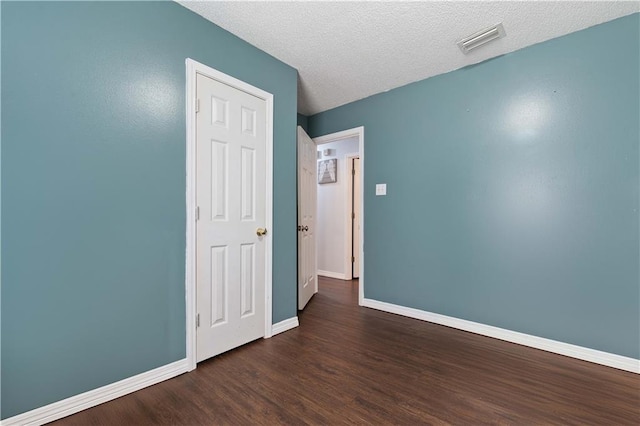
(193,68)
(348,226)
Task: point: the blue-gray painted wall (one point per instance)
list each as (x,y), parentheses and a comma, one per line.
(303,121)
(512,190)
(93,188)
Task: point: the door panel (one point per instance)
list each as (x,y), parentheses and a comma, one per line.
(230,194)
(307,195)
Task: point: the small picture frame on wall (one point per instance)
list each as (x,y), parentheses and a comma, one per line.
(327,171)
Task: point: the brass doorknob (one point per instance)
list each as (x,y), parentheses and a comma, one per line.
(261,232)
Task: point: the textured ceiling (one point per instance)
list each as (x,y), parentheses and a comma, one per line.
(345,51)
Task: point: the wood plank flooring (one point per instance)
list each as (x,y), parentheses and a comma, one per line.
(351,365)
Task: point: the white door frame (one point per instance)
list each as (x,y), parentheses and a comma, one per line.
(348,220)
(333,137)
(192,69)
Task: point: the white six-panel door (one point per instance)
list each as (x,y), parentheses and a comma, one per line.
(307,198)
(230,198)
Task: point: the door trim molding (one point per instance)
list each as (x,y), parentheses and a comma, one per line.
(192,69)
(348,221)
(567,349)
(332,137)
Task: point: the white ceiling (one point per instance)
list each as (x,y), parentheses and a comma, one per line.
(345,51)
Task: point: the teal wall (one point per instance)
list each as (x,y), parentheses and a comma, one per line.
(303,121)
(93,189)
(512,190)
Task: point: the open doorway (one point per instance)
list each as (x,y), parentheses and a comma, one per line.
(340,230)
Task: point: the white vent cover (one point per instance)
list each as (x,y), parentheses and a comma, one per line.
(480,38)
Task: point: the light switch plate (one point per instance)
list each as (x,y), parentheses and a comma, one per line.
(381,189)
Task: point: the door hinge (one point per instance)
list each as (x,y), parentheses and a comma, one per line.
(353,215)
(197,213)
(353,259)
(197,320)
(353,172)
(197,105)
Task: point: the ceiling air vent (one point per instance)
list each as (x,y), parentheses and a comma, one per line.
(480,38)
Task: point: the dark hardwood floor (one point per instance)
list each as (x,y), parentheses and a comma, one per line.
(351,365)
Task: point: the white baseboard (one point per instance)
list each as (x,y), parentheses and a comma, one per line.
(567,349)
(284,325)
(330,274)
(85,400)
(74,404)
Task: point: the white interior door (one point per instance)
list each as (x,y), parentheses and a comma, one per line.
(307,193)
(356,218)
(230,195)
